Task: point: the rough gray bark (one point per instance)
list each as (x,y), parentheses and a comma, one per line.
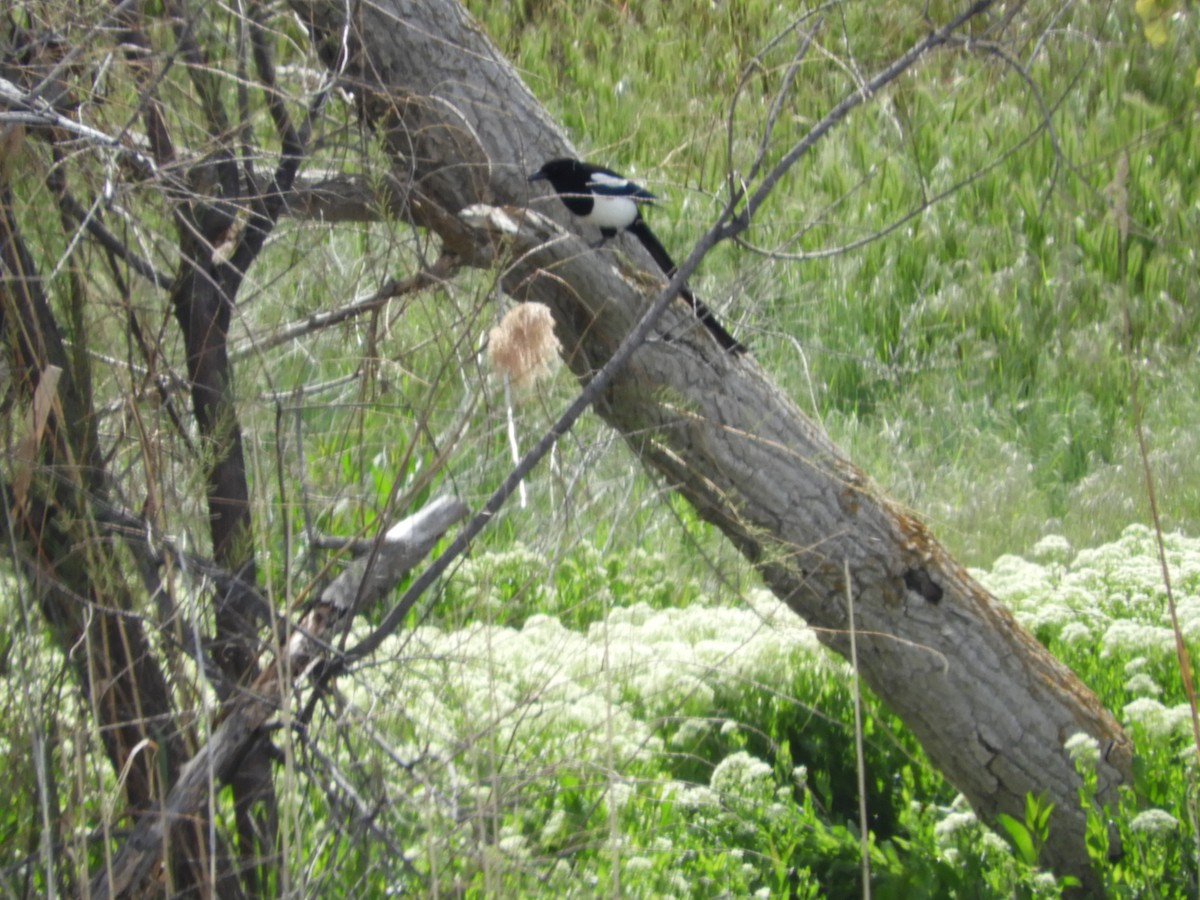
(990,706)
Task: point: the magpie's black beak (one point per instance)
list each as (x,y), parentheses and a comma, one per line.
(539,175)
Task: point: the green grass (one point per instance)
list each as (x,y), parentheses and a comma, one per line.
(990,330)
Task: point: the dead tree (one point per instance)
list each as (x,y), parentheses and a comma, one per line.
(990,706)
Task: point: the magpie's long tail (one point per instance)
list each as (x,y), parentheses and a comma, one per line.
(642,232)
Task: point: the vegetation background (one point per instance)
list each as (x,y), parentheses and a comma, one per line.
(601,700)
(988,334)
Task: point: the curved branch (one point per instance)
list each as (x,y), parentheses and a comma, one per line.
(877,82)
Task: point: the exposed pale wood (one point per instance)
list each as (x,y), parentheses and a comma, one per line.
(990,706)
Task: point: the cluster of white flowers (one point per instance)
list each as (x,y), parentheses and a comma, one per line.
(1075,633)
(490,580)
(1035,593)
(956,816)
(1051,549)
(1083,749)
(701,801)
(742,775)
(954,821)
(1158,720)
(1143,685)
(505,717)
(498,715)
(1131,636)
(1155,822)
(1115,592)
(1045,881)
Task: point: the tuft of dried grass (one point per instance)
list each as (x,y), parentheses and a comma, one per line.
(523,346)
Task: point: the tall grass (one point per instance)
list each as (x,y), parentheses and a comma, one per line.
(985,334)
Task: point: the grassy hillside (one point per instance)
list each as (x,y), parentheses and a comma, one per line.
(975,359)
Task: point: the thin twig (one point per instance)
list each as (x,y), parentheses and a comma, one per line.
(38,112)
(877,82)
(1181,650)
(442,269)
(864,840)
(98,230)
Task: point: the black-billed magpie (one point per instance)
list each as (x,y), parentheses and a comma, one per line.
(601,197)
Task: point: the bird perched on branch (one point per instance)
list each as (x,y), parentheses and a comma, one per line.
(613,203)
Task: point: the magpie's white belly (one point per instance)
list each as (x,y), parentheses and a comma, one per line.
(612,212)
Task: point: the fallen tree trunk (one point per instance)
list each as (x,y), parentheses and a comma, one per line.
(990,706)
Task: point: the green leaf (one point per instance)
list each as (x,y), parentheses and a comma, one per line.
(1022,839)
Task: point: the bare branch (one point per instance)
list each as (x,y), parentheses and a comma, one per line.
(443,268)
(27,109)
(344,198)
(890,73)
(404,544)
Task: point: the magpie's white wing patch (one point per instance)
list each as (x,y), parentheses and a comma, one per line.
(614,183)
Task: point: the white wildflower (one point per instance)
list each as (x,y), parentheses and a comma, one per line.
(994,844)
(742,775)
(1083,749)
(1158,720)
(679,885)
(1047,614)
(690,732)
(1018,582)
(620,793)
(1142,684)
(1053,548)
(1044,881)
(946,829)
(1132,636)
(560,875)
(1075,633)
(555,827)
(698,798)
(514,845)
(635,864)
(1188,610)
(1154,822)
(1146,712)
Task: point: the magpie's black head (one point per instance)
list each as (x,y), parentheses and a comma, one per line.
(562,174)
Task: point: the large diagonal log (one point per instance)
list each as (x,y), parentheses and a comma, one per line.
(989,705)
